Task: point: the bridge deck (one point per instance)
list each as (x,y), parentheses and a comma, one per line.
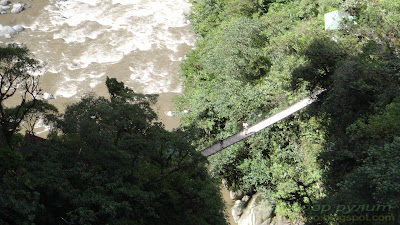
(260,126)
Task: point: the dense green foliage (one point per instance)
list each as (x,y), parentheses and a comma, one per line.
(253,58)
(17,77)
(107,162)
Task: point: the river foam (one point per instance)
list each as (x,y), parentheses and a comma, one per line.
(140,42)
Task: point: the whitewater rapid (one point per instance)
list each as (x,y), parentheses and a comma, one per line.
(81,42)
(140,42)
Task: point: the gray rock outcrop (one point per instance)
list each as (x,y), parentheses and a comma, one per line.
(17,7)
(7,30)
(258,212)
(48,96)
(18,28)
(236,195)
(4,2)
(237,210)
(4,8)
(246,199)
(225,183)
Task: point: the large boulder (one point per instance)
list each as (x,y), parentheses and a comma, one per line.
(236,195)
(281,220)
(48,96)
(246,199)
(18,28)
(4,8)
(7,30)
(225,183)
(258,212)
(4,2)
(17,7)
(237,210)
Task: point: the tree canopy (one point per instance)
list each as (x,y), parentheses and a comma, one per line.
(18,76)
(253,58)
(106,161)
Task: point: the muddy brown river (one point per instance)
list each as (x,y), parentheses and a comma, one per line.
(81,42)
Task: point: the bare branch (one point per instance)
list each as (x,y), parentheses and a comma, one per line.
(17,73)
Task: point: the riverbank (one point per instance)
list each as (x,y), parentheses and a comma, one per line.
(229,203)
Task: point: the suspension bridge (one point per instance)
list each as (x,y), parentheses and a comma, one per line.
(260,125)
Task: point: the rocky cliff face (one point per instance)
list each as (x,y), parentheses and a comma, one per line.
(254,210)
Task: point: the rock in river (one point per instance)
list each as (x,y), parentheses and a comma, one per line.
(18,28)
(4,2)
(17,7)
(7,30)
